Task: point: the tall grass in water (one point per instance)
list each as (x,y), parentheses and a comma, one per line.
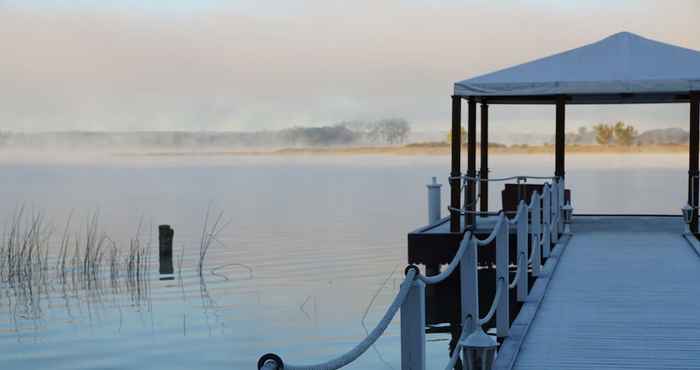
(83,260)
(24,249)
(210,231)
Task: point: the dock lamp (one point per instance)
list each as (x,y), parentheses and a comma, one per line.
(687,215)
(568,212)
(479,350)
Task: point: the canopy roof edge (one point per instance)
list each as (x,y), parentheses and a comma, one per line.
(588,99)
(621,69)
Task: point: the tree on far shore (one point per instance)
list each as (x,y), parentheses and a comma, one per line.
(603,134)
(462,136)
(619,133)
(624,134)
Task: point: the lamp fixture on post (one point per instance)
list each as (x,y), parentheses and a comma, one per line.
(687,216)
(568,211)
(479,350)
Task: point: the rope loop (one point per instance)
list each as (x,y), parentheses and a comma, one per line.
(270,361)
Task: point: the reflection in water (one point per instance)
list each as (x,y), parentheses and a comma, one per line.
(90,273)
(87,270)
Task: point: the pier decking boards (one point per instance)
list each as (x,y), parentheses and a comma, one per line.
(625,295)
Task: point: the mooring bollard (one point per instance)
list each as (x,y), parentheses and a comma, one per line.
(434,201)
(165,248)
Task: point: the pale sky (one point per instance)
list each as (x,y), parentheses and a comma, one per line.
(254,65)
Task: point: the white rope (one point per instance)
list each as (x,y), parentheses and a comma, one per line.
(494,304)
(494,232)
(477,178)
(455,353)
(517,273)
(536,197)
(377,332)
(464,244)
(518,214)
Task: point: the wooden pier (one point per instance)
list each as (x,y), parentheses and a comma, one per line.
(625,294)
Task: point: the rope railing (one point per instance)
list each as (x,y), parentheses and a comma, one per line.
(494,232)
(536,227)
(361,347)
(501,179)
(514,283)
(434,279)
(456,351)
(496,299)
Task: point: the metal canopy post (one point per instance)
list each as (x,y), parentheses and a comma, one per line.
(470,196)
(455,174)
(560,137)
(484,186)
(694,153)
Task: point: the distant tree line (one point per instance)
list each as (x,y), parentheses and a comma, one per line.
(386,131)
(462,135)
(389,131)
(626,135)
(605,134)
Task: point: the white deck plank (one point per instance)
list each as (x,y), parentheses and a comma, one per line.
(626,295)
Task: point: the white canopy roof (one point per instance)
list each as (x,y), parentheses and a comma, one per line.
(622,68)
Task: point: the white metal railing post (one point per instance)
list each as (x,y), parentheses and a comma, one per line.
(502,277)
(555,212)
(522,256)
(547,220)
(434,201)
(469,283)
(562,201)
(413,328)
(536,214)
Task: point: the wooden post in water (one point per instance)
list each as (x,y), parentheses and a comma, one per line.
(484,186)
(694,153)
(165,249)
(455,181)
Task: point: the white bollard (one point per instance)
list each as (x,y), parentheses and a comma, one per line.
(413,328)
(502,277)
(434,201)
(536,255)
(536,230)
(522,251)
(555,212)
(562,201)
(469,282)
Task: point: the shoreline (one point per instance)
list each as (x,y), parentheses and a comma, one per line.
(425,150)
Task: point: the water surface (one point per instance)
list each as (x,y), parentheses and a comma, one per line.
(311,255)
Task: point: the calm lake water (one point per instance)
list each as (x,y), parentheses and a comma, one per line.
(311,254)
